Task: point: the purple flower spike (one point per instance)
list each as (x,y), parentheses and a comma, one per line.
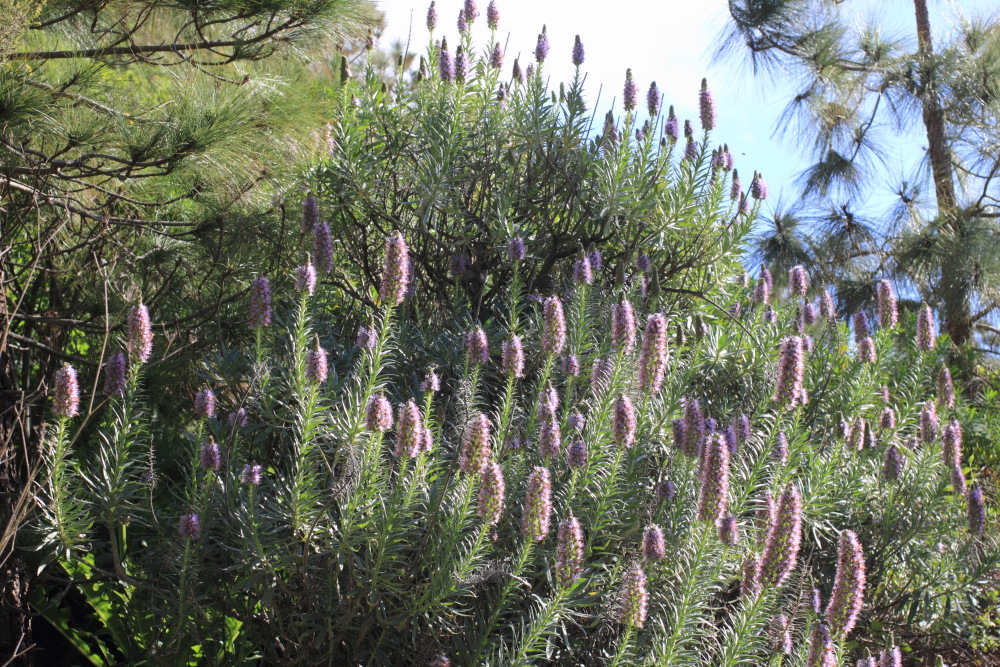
(477,346)
(445,67)
(463,23)
(542,46)
(515,249)
(798,280)
(367,338)
(672,128)
(569,552)
(310,213)
(713,496)
(305,278)
(440,660)
(209,457)
(492,15)
(808,315)
(237,418)
(576,455)
(665,491)
(929,424)
(653,545)
(817,602)
(549,438)
(821,650)
(630,95)
(317,368)
(190,527)
(866,351)
(571,365)
(926,331)
(491,493)
(892,467)
(431,382)
(781,634)
(115,374)
(706,107)
(826,308)
(204,403)
(548,404)
(653,356)
(432,17)
(784,537)
(780,452)
(409,431)
(260,303)
(736,187)
(891,658)
(690,150)
(695,427)
(848,587)
(582,274)
(323,246)
(951,442)
(139,340)
(396,271)
(791,369)
(634,598)
(496,57)
(578,52)
(600,374)
(623,422)
(653,100)
(66,395)
(461,64)
(642,262)
(378,416)
(729,530)
(750,581)
(861,328)
(758,187)
(596,260)
(516,72)
(623,327)
(946,390)
(476,448)
(554,329)
(537,505)
(252,474)
(976,509)
(888,313)
(513,357)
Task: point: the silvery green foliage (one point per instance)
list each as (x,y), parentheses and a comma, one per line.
(340,552)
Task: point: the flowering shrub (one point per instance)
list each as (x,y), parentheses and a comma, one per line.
(542,478)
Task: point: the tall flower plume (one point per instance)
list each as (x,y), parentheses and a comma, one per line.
(862,329)
(762,290)
(204,403)
(706,106)
(395,273)
(491,494)
(750,581)
(951,443)
(139,339)
(445,67)
(542,46)
(496,57)
(492,15)
(784,538)
(892,657)
(116,374)
(887,421)
(209,457)
(926,331)
(892,466)
(576,454)
(461,64)
(946,390)
(630,95)
(571,365)
(634,598)
(513,357)
(578,54)
(653,356)
(310,213)
(695,427)
(409,431)
(66,395)
(780,452)
(323,246)
(477,346)
(515,249)
(476,447)
(432,17)
(713,496)
(537,505)
(190,526)
(582,273)
(866,351)
(653,545)
(976,509)
(623,423)
(548,403)
(600,374)
(781,634)
(305,277)
(378,416)
(623,326)
(672,128)
(554,326)
(758,187)
(729,530)
(888,314)
(848,587)
(569,551)
(549,438)
(929,423)
(317,368)
(252,474)
(821,651)
(798,280)
(431,382)
(826,308)
(260,303)
(791,370)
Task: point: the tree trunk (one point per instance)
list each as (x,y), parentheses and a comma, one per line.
(15,621)
(957,316)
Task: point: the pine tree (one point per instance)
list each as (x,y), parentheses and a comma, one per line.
(860,88)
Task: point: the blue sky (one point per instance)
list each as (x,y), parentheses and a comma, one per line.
(672,42)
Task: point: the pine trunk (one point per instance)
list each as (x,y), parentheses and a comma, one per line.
(957,316)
